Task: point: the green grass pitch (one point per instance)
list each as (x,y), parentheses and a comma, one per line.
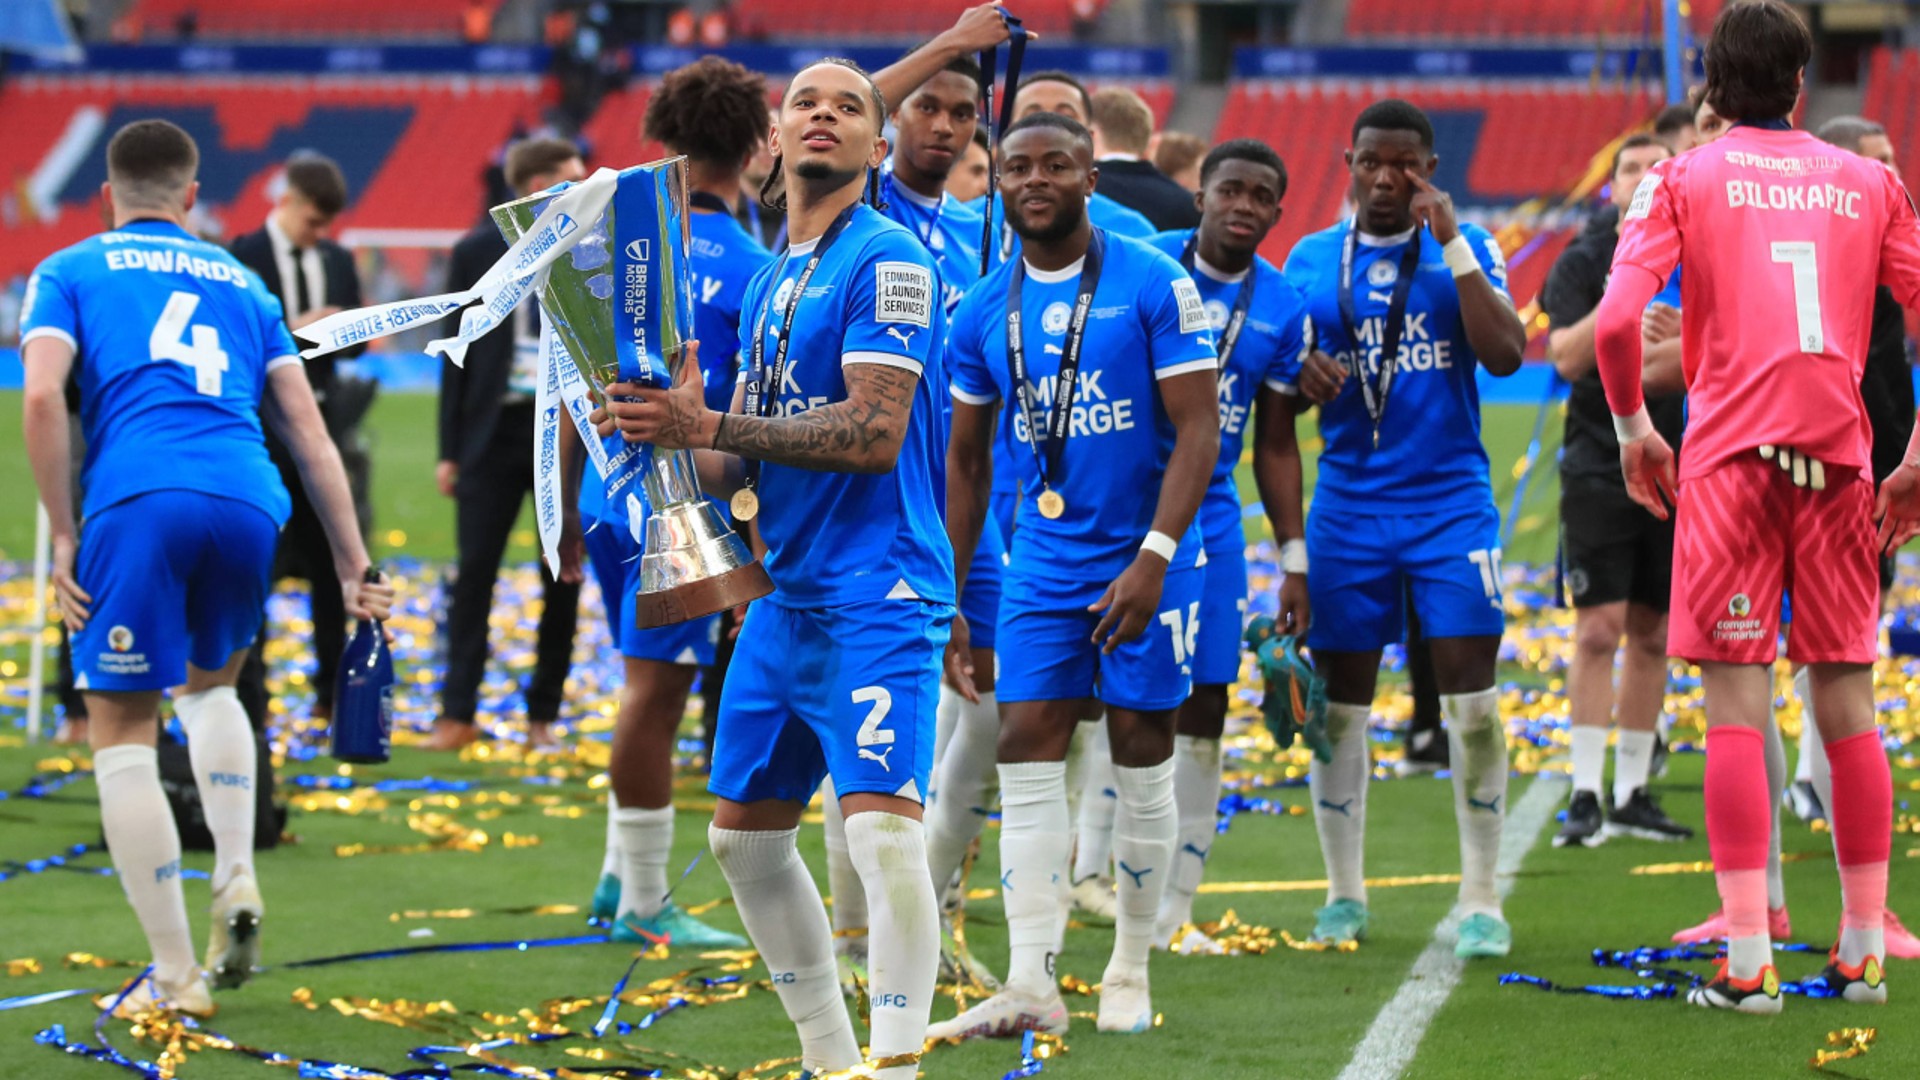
(1283,1014)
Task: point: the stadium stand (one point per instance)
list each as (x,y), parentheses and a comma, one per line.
(1893,98)
(613,133)
(908,20)
(1517,19)
(1499,143)
(413,150)
(383,19)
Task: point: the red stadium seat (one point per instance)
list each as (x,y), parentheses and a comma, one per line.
(1517,19)
(1893,99)
(308,18)
(414,150)
(842,19)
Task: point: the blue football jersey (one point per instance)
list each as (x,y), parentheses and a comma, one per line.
(949,229)
(1267,354)
(841,538)
(173,339)
(1430,457)
(1669,293)
(725,259)
(1147,323)
(1103,212)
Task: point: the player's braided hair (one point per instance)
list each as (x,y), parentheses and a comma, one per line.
(712,110)
(773,190)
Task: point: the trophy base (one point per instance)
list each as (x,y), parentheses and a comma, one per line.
(698,599)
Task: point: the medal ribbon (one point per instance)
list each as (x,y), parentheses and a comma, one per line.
(1047,459)
(1376,396)
(546,451)
(1242,301)
(763,385)
(997,126)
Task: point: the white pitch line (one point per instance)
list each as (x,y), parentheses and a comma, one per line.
(1395,1034)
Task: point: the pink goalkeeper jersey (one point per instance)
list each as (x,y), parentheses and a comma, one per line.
(1783,238)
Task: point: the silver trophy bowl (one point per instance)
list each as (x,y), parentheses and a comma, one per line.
(692,562)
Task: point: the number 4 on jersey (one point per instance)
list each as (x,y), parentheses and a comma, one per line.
(203,354)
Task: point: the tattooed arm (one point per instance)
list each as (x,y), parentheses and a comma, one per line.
(861,434)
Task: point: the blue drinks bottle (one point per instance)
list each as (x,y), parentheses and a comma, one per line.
(363,705)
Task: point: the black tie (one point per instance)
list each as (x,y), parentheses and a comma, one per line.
(299,284)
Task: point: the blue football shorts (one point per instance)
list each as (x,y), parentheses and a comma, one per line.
(615,559)
(1223,601)
(177,578)
(848,690)
(980,603)
(1363,565)
(1047,651)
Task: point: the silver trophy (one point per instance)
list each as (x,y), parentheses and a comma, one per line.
(621,300)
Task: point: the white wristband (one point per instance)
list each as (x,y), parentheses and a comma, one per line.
(1160,544)
(1459,255)
(1293,556)
(1631,429)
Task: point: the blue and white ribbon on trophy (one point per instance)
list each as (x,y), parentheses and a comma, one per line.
(507,282)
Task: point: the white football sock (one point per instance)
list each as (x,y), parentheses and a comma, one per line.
(781,908)
(1776,787)
(1589,749)
(946,717)
(1809,730)
(1632,763)
(1819,773)
(1746,956)
(849,896)
(1857,945)
(1480,767)
(965,777)
(1339,792)
(1033,860)
(138,823)
(1098,802)
(903,954)
(610,861)
(220,743)
(646,842)
(1144,831)
(1196,792)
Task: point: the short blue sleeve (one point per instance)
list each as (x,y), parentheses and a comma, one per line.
(892,294)
(1179,334)
(1486,250)
(966,356)
(48,309)
(1669,293)
(1283,374)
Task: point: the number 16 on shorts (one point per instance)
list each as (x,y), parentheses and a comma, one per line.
(1487,561)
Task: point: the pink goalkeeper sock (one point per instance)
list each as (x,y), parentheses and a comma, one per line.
(1862,826)
(1738,824)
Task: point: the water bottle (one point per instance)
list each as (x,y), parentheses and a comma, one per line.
(363,706)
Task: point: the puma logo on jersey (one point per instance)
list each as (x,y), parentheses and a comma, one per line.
(1491,807)
(1197,852)
(1344,809)
(905,336)
(881,757)
(1138,876)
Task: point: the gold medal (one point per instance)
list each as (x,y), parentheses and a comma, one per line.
(1051,504)
(745,504)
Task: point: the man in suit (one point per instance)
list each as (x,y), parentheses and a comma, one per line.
(486,466)
(313,277)
(1122,132)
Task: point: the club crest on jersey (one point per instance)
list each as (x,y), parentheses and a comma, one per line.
(782,294)
(1740,606)
(1577,582)
(1193,310)
(1382,273)
(1217,314)
(903,293)
(120,639)
(1056,317)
